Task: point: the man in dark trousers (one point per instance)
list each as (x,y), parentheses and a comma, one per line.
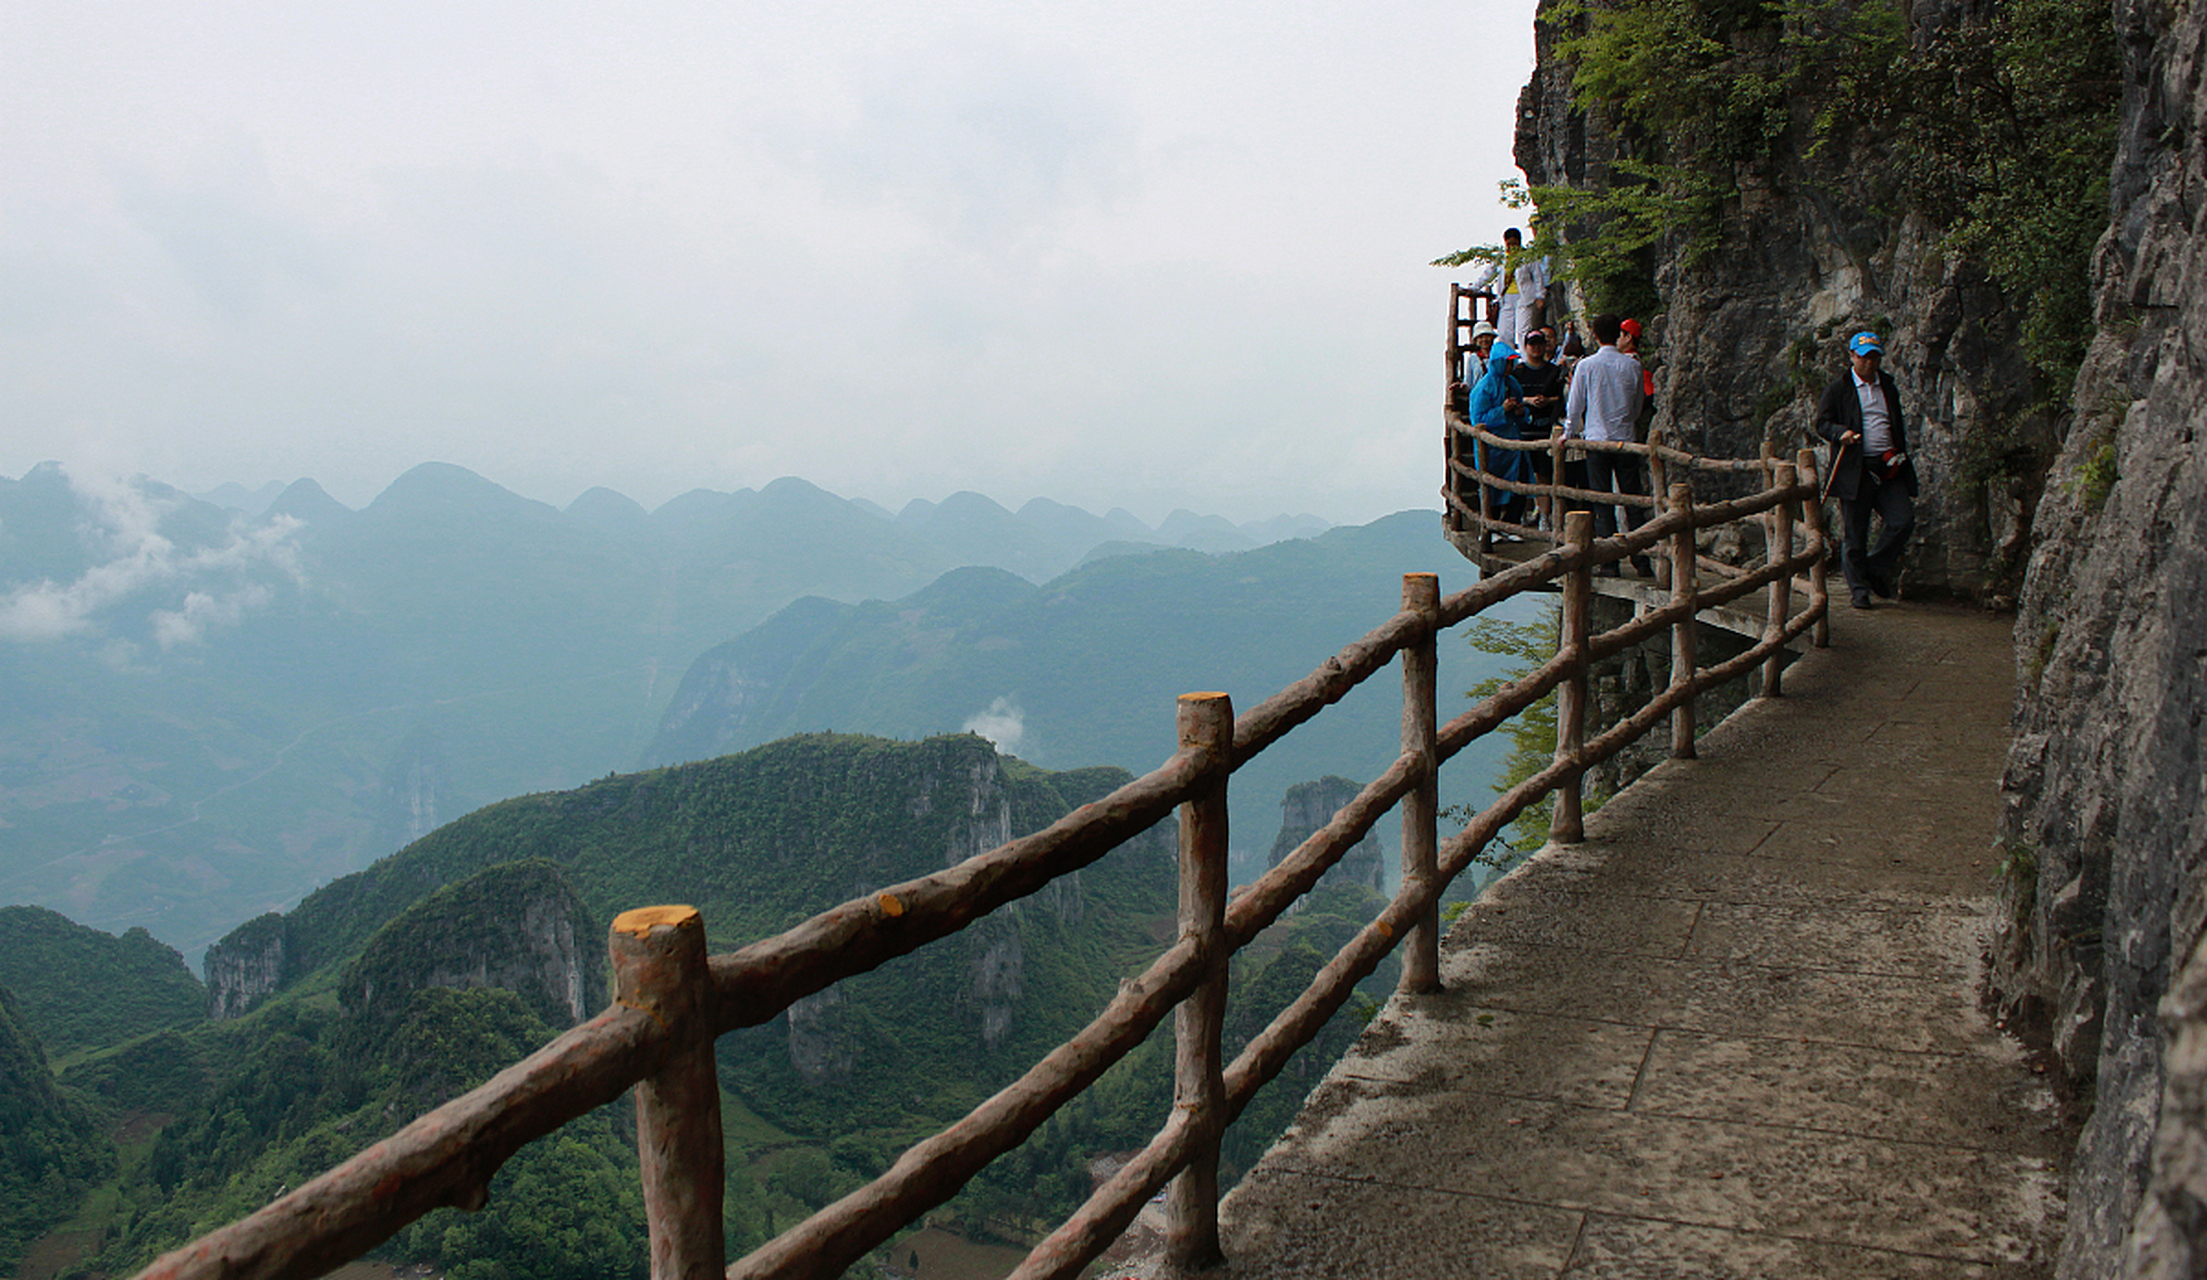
(1871,470)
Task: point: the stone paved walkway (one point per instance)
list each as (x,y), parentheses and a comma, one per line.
(1733,1034)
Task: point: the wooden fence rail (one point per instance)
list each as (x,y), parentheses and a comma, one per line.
(672,1000)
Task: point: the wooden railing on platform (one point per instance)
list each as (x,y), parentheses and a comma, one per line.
(672,1000)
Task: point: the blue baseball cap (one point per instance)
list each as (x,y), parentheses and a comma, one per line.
(1865,344)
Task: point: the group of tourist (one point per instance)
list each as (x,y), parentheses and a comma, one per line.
(1521,383)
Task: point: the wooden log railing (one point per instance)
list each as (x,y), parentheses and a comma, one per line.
(672,1000)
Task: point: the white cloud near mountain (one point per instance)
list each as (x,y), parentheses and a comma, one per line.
(1002,723)
(190,590)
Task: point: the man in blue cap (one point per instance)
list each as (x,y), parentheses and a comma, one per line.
(1871,471)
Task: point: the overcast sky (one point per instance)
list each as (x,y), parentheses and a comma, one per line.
(1136,254)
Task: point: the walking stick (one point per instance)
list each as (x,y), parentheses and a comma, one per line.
(1825,496)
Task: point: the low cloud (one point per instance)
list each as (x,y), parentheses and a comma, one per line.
(1002,723)
(189,625)
(122,521)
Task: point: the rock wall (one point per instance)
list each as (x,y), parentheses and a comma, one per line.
(2106,807)
(518,926)
(1305,808)
(1747,337)
(247,965)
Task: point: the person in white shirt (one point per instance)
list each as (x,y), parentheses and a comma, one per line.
(1524,292)
(1522,299)
(1603,403)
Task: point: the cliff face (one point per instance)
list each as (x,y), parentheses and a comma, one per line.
(247,965)
(1812,248)
(518,926)
(1305,808)
(2106,814)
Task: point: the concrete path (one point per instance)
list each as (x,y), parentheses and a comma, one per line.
(1734,1034)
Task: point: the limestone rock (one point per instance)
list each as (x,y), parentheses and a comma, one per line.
(1751,335)
(1305,808)
(518,926)
(2105,797)
(247,965)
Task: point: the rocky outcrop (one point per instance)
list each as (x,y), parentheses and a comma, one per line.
(1305,808)
(251,962)
(819,1049)
(513,926)
(2106,800)
(1813,247)
(996,981)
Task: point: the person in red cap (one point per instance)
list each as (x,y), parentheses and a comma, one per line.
(1628,341)
(1871,472)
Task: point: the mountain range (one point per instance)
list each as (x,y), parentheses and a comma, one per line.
(1084,669)
(212,709)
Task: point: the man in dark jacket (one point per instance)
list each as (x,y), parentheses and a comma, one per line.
(1871,470)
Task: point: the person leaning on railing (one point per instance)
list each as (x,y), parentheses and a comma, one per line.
(1871,472)
(1498,405)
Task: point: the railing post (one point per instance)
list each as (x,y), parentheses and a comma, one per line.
(1421,954)
(1206,722)
(1684,660)
(1568,824)
(658,956)
(1451,519)
(1556,504)
(1479,455)
(1658,484)
(1812,511)
(1781,587)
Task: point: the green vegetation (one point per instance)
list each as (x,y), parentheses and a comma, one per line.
(2018,873)
(360,1038)
(80,988)
(50,1151)
(518,924)
(1524,647)
(294,1089)
(2095,478)
(1999,130)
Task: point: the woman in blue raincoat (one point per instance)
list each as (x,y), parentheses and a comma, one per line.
(1498,405)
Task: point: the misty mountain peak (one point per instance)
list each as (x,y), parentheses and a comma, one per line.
(792,491)
(443,487)
(611,511)
(308,503)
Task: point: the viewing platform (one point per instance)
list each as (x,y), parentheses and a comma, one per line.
(1736,1032)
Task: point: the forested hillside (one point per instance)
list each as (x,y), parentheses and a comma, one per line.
(83,988)
(50,1152)
(396,988)
(1084,669)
